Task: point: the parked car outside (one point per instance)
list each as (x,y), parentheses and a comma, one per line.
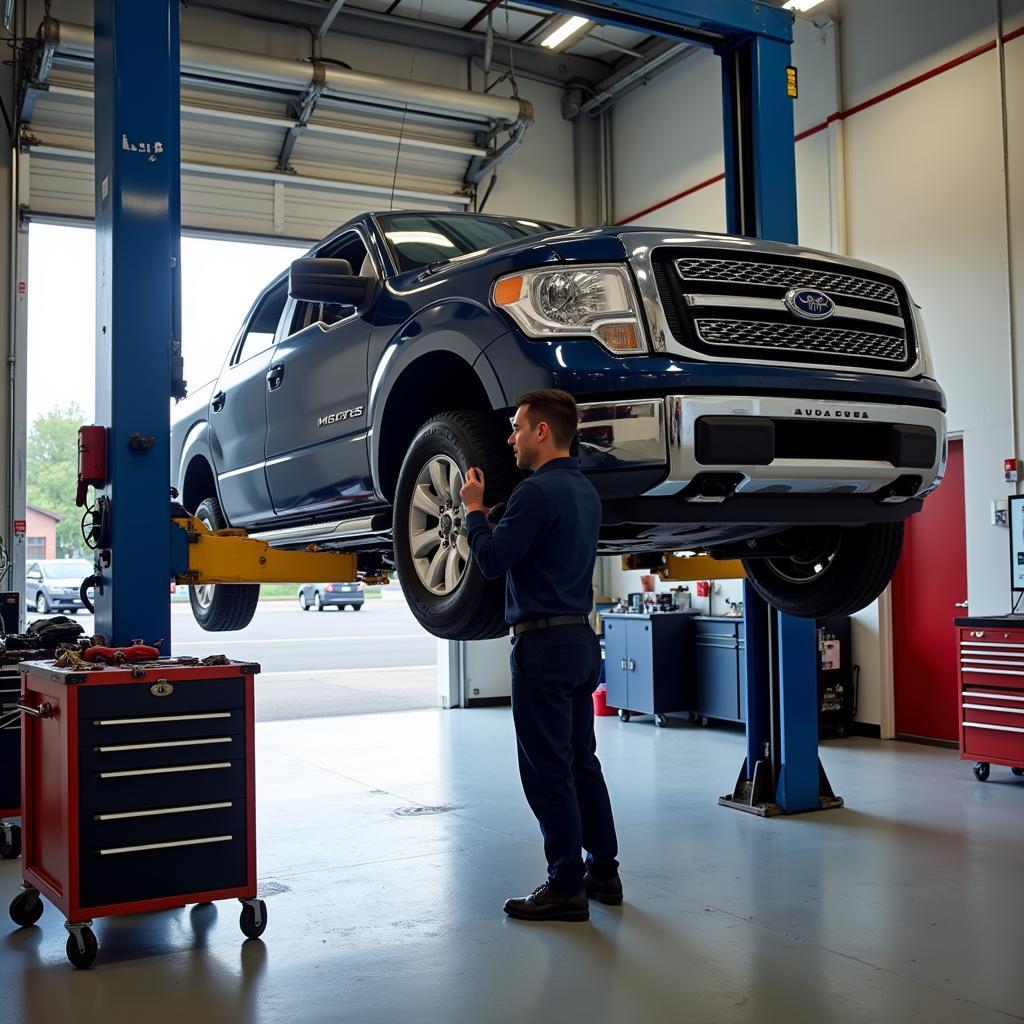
(53,584)
(738,398)
(319,596)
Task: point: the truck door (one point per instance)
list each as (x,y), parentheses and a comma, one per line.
(238,413)
(317,457)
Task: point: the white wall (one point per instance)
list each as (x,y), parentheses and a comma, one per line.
(917,182)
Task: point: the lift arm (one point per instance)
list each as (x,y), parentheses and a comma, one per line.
(671,566)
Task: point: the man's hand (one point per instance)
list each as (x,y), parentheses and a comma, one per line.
(472,493)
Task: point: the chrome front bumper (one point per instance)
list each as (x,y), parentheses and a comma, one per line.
(798,475)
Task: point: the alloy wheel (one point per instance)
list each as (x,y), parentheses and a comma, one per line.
(437,527)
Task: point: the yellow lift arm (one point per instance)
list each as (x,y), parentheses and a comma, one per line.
(231,556)
(673,567)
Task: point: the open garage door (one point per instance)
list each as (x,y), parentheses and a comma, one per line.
(272,146)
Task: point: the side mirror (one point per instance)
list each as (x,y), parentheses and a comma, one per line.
(327,281)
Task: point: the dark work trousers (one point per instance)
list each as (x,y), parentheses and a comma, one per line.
(554,673)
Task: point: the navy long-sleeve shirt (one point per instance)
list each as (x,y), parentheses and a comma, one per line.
(545,544)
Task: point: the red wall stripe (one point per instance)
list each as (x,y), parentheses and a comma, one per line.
(842,115)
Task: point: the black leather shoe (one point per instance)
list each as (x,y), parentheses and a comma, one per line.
(604,890)
(545,904)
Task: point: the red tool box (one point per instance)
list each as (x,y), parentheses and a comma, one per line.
(138,793)
(991,695)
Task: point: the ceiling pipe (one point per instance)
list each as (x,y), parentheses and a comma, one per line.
(201,61)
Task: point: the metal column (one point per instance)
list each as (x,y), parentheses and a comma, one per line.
(137,237)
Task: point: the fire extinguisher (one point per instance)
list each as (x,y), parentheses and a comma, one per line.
(92,461)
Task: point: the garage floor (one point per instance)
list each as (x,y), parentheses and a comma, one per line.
(388,843)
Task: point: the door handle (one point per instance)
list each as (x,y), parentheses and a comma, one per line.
(217,403)
(962,604)
(275,377)
(631,666)
(622,664)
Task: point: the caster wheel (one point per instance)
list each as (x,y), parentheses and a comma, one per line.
(661,721)
(26,908)
(704,721)
(624,715)
(981,771)
(692,717)
(840,731)
(251,928)
(10,842)
(1017,771)
(82,957)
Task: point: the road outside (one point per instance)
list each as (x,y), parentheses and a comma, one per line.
(321,664)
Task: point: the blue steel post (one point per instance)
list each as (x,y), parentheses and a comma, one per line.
(757,624)
(137,234)
(799,786)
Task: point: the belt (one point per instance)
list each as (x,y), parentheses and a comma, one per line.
(555,620)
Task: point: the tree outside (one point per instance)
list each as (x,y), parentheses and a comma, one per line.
(52,473)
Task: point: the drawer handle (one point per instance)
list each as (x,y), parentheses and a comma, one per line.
(159,746)
(992,664)
(991,672)
(994,728)
(990,643)
(162,718)
(40,711)
(993,696)
(166,846)
(165,771)
(121,815)
(991,707)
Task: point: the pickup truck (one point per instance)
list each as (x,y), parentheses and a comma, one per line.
(738,398)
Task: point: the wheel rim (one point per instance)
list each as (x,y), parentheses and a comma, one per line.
(41,604)
(437,527)
(204,593)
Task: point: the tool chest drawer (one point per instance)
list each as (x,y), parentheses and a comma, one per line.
(174,698)
(140,871)
(120,729)
(992,658)
(184,783)
(161,753)
(167,824)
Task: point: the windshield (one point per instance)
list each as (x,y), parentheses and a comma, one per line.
(419,239)
(70,569)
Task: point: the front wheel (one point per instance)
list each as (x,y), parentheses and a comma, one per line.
(445,590)
(829,572)
(221,607)
(42,605)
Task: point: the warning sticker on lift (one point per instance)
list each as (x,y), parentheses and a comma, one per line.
(792,90)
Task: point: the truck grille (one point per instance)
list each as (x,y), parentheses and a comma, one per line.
(735,308)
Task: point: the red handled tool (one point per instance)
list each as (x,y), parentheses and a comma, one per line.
(121,655)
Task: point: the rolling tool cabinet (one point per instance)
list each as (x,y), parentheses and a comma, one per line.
(10,757)
(992,693)
(138,794)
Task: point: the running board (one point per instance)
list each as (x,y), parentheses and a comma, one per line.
(324,533)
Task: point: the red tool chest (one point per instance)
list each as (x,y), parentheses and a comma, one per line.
(992,694)
(138,793)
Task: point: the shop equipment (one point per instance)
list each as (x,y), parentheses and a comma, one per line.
(138,793)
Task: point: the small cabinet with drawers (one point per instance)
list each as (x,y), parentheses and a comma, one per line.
(647,668)
(992,693)
(718,649)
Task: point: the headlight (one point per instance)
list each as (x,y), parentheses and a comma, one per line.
(596,301)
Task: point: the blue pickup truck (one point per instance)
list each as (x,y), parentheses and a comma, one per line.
(738,398)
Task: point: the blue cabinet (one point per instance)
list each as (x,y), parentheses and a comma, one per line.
(720,669)
(647,666)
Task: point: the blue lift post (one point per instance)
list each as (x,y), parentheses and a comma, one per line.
(138,230)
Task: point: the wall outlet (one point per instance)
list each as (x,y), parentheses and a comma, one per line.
(1000,513)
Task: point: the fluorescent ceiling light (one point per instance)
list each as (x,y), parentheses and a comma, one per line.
(568,28)
(802,6)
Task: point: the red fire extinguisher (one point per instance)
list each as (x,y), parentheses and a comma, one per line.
(92,460)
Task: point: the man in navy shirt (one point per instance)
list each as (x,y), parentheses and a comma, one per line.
(545,545)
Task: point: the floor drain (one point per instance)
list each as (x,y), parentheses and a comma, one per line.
(265,889)
(419,811)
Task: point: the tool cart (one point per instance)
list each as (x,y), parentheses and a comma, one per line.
(138,792)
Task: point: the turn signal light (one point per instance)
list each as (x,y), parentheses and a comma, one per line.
(620,337)
(508,291)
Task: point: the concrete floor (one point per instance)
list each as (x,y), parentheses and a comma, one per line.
(388,843)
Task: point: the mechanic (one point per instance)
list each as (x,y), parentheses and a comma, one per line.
(546,544)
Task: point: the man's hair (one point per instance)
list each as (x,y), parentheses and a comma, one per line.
(555,408)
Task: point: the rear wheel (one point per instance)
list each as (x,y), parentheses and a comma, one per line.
(318,604)
(303,603)
(221,607)
(445,590)
(829,572)
(42,605)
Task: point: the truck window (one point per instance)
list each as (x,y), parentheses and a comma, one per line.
(263,326)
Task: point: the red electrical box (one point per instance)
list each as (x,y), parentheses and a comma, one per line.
(92,460)
(138,793)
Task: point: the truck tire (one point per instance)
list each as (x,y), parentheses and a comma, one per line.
(221,607)
(842,578)
(445,590)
